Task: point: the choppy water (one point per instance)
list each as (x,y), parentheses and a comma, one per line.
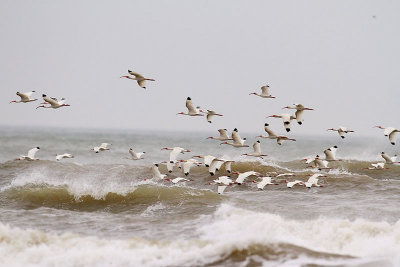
(101,210)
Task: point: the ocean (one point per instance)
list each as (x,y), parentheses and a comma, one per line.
(104,210)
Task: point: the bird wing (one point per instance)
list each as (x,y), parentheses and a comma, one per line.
(24,96)
(257,148)
(50,100)
(299,115)
(392,136)
(32,152)
(133,154)
(191,108)
(329,155)
(223,133)
(209,117)
(386,158)
(221,189)
(236,138)
(270,133)
(388,130)
(264,90)
(174,153)
(142,83)
(137,75)
(208,159)
(104,145)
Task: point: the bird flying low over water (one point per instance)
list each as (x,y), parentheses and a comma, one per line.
(156,173)
(64,156)
(102,147)
(299,112)
(237,141)
(330,153)
(175,151)
(313,180)
(389,132)
(134,155)
(287,118)
(341,131)
(257,151)
(141,80)
(31,155)
(25,97)
(223,135)
(377,166)
(389,160)
(264,92)
(192,110)
(52,102)
(243,176)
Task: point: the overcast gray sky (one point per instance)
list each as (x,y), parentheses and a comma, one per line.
(340,57)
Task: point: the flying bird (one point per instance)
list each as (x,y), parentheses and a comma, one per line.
(52,102)
(237,140)
(175,151)
(210,114)
(134,155)
(192,110)
(341,131)
(141,80)
(264,92)
(25,97)
(223,135)
(330,153)
(64,156)
(257,151)
(299,112)
(102,147)
(156,173)
(31,155)
(242,176)
(389,132)
(313,180)
(287,118)
(389,160)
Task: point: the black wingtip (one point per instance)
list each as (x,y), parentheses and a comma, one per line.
(188,98)
(43,95)
(392,143)
(335,146)
(235,129)
(300,123)
(287,130)
(156,165)
(38,147)
(266,124)
(342,137)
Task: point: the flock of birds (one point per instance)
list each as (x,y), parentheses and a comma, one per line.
(213,163)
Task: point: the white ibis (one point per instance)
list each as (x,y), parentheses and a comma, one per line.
(228,165)
(225,180)
(237,141)
(377,166)
(170,166)
(299,112)
(210,114)
(141,80)
(179,179)
(341,131)
(319,163)
(271,134)
(53,102)
(389,160)
(175,151)
(215,166)
(257,151)
(207,159)
(265,181)
(156,173)
(102,147)
(223,135)
(296,182)
(243,176)
(330,153)
(64,156)
(188,164)
(313,180)
(134,155)
(282,138)
(264,92)
(287,118)
(389,132)
(221,189)
(25,97)
(192,110)
(31,155)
